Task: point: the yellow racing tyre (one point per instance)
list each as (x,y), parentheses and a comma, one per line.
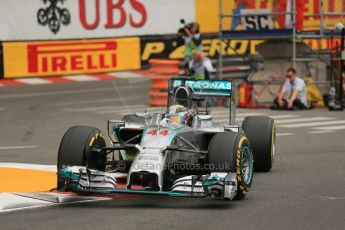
(231,152)
(77,149)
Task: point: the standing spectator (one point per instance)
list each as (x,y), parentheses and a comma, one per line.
(293,94)
(200,67)
(192,39)
(190,36)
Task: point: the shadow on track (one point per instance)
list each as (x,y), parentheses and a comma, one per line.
(156,202)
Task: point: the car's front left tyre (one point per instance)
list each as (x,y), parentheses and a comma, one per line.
(231,152)
(261,133)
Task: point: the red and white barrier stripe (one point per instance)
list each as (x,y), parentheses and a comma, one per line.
(72,78)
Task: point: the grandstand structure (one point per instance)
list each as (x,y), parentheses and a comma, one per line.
(324,29)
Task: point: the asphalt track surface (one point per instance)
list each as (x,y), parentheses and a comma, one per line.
(305,190)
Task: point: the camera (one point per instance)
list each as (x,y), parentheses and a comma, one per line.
(181,32)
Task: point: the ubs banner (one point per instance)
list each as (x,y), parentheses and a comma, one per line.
(70,57)
(78,19)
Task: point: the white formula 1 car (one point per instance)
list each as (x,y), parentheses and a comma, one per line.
(180,152)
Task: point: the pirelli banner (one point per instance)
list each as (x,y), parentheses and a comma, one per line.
(47,58)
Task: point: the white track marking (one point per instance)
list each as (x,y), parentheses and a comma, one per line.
(225,111)
(63,92)
(275,117)
(27,208)
(237,115)
(305,119)
(34,81)
(284,134)
(226,120)
(81,78)
(29,166)
(312,124)
(104,108)
(111,99)
(248,114)
(320,131)
(125,75)
(333,198)
(67,92)
(90,109)
(18,147)
(239,119)
(11,202)
(329,128)
(126,111)
(283,116)
(222,121)
(219,111)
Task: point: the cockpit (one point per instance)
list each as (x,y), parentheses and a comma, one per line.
(188,103)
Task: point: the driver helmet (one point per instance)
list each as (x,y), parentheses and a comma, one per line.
(178,114)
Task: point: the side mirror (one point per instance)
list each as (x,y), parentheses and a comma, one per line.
(110,127)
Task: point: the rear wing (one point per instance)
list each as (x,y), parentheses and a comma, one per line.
(206,88)
(217,88)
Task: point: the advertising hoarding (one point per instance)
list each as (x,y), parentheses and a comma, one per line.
(70,57)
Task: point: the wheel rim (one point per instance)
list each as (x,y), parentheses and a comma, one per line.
(96,160)
(246,165)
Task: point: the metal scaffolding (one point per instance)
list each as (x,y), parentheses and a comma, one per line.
(282,33)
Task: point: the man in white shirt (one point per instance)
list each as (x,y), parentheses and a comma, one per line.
(200,67)
(293,94)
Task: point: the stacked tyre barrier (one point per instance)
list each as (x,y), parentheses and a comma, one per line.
(162,71)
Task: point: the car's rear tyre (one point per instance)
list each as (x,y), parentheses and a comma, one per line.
(231,152)
(76,150)
(261,133)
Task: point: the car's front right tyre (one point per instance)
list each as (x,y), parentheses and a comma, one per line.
(76,149)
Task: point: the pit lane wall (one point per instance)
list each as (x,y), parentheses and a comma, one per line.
(55,37)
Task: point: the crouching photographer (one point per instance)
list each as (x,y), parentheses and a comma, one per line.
(190,36)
